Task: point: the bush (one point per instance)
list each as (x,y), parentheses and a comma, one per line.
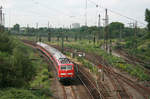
(16,69)
(113,60)
(42,92)
(13,93)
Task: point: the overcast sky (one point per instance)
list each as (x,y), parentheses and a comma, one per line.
(65,12)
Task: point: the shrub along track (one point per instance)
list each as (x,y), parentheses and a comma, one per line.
(145,92)
(89,82)
(68,90)
(134,60)
(116,78)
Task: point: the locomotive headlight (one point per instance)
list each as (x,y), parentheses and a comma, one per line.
(63,74)
(69,73)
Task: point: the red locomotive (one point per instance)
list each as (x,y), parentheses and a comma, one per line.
(64,67)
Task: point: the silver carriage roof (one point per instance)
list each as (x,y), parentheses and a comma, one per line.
(57,54)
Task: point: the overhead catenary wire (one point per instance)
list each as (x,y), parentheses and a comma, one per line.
(126,16)
(117,13)
(3,3)
(45,6)
(58,11)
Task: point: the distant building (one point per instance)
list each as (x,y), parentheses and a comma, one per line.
(76,25)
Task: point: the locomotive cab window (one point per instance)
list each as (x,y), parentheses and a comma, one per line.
(63,67)
(69,67)
(66,67)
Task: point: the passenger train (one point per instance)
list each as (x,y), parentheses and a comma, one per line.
(64,67)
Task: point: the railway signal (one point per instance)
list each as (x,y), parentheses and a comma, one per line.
(101,71)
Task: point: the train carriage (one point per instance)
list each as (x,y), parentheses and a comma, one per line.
(64,67)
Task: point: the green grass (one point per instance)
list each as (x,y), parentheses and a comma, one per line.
(14,93)
(113,60)
(41,81)
(142,51)
(88,65)
(85,63)
(117,62)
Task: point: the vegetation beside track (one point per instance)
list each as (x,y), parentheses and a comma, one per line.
(20,68)
(117,62)
(112,60)
(41,83)
(88,65)
(85,63)
(141,51)
(137,45)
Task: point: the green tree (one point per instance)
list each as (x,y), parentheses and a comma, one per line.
(147,18)
(13,93)
(83,29)
(16,27)
(5,43)
(16,69)
(115,28)
(2,28)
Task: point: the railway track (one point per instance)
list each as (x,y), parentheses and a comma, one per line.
(134,60)
(90,84)
(68,91)
(119,88)
(117,80)
(141,89)
(145,92)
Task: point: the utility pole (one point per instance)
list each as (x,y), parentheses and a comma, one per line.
(105,41)
(70,26)
(3,19)
(102,74)
(120,33)
(40,38)
(132,26)
(99,26)
(85,12)
(135,33)
(27,28)
(106,31)
(94,39)
(1,15)
(37,25)
(49,39)
(37,31)
(49,33)
(120,37)
(62,42)
(99,20)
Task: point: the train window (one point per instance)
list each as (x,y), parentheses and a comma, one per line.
(63,67)
(66,67)
(69,67)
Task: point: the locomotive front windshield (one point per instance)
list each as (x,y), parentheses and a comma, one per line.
(66,67)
